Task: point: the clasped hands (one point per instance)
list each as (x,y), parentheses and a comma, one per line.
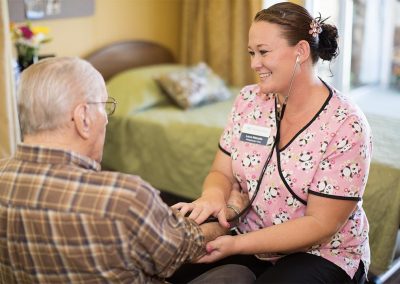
(213,203)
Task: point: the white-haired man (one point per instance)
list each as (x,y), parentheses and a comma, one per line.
(62,220)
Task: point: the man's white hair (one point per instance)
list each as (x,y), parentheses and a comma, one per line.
(50,89)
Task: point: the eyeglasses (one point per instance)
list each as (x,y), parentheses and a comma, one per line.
(110,105)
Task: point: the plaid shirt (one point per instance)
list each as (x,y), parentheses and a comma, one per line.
(62,220)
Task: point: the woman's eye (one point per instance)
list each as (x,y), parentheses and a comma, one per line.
(263,52)
(251,53)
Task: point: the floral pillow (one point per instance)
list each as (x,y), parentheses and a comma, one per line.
(193,86)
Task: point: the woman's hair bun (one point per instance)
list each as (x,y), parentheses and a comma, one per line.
(328,42)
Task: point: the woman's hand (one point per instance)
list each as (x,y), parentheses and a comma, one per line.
(210,204)
(220,248)
(217,187)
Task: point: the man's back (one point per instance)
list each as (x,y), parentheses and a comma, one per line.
(62,220)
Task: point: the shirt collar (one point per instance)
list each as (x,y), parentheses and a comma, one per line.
(43,155)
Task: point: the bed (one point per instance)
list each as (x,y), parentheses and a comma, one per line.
(173,148)
(148,135)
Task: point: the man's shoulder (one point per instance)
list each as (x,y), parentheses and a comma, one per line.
(112,194)
(122,185)
(123,180)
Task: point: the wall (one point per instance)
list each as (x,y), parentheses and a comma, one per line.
(115,20)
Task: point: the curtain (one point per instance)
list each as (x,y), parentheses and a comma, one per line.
(216,32)
(9,126)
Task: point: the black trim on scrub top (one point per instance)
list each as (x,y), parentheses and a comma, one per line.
(278,151)
(278,161)
(278,158)
(312,120)
(334,196)
(223,150)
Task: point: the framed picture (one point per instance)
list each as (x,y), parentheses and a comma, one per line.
(34,9)
(21,10)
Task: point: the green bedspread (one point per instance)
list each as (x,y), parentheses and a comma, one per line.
(168,147)
(382,194)
(382,206)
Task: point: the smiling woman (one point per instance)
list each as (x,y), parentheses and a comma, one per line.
(301,151)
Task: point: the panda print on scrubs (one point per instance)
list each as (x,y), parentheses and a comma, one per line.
(307,138)
(255,114)
(306,162)
(249,95)
(270,193)
(281,217)
(350,170)
(251,160)
(341,114)
(251,185)
(325,165)
(324,187)
(356,126)
(343,145)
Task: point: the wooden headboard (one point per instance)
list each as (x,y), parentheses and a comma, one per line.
(120,56)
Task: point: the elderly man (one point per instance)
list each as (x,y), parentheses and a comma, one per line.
(63,220)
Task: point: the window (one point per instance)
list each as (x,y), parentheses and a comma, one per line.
(395,74)
(369,42)
(369,32)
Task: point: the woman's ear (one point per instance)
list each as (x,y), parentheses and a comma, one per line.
(303,50)
(82,120)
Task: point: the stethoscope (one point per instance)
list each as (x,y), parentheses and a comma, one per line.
(268,160)
(276,143)
(260,178)
(266,164)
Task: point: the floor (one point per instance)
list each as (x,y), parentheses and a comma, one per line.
(394,279)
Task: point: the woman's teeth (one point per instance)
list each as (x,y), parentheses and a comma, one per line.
(265,75)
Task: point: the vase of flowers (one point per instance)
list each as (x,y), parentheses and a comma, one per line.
(27,41)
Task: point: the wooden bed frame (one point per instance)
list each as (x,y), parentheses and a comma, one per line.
(124,55)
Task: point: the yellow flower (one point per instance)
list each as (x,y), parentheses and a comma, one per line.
(26,34)
(40,30)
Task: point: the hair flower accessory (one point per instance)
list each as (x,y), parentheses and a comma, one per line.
(315,28)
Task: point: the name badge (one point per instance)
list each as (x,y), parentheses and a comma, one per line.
(255,134)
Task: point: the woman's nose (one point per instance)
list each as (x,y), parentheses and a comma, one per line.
(255,62)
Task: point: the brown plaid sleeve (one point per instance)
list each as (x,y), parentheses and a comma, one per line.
(164,240)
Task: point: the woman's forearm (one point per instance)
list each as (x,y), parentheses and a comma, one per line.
(217,184)
(292,236)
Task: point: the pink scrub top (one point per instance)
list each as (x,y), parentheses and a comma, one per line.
(329,157)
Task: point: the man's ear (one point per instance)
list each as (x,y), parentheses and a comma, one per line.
(303,50)
(82,120)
